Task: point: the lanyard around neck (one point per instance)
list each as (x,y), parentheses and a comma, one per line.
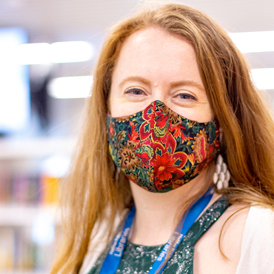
(115,252)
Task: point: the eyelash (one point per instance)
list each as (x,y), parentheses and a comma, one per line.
(189,96)
(134,89)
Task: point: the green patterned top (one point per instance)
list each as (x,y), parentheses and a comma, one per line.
(138,258)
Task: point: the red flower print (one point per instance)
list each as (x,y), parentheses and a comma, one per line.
(112,130)
(178,132)
(134,135)
(200,146)
(166,166)
(144,157)
(163,168)
(191,158)
(155,124)
(161,119)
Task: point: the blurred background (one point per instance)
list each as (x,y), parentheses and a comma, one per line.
(48,49)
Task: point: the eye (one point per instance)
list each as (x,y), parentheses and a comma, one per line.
(135,91)
(186,96)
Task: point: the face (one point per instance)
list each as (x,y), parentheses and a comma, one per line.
(156,65)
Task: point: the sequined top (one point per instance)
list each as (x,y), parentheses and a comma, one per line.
(139,259)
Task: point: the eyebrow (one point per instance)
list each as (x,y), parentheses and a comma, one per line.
(187,83)
(135,78)
(172,84)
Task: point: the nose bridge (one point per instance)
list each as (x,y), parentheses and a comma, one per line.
(159,93)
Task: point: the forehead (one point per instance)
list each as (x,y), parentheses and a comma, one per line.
(155,50)
(153,35)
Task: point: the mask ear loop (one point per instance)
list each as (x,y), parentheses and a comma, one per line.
(221,176)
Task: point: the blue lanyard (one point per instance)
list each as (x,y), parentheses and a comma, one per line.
(115,253)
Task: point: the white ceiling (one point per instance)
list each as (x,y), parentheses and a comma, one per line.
(63,16)
(58,20)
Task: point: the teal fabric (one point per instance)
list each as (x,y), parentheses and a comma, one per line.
(139,258)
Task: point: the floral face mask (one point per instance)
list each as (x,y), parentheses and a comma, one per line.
(159,149)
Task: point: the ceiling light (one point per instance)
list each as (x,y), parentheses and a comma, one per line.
(260,41)
(70,87)
(36,53)
(67,52)
(263,78)
(60,52)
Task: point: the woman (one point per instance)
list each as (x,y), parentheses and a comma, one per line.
(171,93)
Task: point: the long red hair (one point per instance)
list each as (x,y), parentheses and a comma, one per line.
(93,184)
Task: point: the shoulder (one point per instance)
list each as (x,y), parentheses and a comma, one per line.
(257,250)
(253,226)
(221,242)
(241,232)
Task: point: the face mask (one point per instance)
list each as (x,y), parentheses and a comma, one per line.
(159,149)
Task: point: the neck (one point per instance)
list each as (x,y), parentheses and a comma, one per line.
(157,214)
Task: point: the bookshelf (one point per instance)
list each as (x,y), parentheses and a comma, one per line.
(17,215)
(29,216)
(24,272)
(15,149)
